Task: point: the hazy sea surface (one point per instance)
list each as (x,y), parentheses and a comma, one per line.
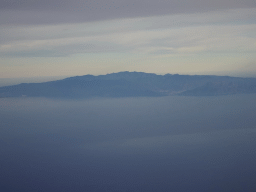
(158,144)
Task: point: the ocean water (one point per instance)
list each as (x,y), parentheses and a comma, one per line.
(128,144)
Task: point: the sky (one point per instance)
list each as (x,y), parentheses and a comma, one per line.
(43,38)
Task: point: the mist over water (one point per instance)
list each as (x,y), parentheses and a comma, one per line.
(128,144)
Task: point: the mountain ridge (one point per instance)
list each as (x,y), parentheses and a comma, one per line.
(133,84)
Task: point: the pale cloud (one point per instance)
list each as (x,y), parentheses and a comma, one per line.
(217,38)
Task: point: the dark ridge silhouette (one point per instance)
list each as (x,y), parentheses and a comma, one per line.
(133,84)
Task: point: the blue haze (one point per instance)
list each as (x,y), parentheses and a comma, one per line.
(128,144)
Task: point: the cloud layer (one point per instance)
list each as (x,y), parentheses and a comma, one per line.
(106,36)
(178,34)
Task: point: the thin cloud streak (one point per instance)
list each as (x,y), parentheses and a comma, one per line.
(77,11)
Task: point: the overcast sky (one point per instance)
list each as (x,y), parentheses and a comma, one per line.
(75,37)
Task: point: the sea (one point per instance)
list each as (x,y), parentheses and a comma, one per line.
(141,144)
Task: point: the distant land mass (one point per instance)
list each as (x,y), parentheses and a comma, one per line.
(133,84)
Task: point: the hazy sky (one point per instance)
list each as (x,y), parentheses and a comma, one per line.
(67,38)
